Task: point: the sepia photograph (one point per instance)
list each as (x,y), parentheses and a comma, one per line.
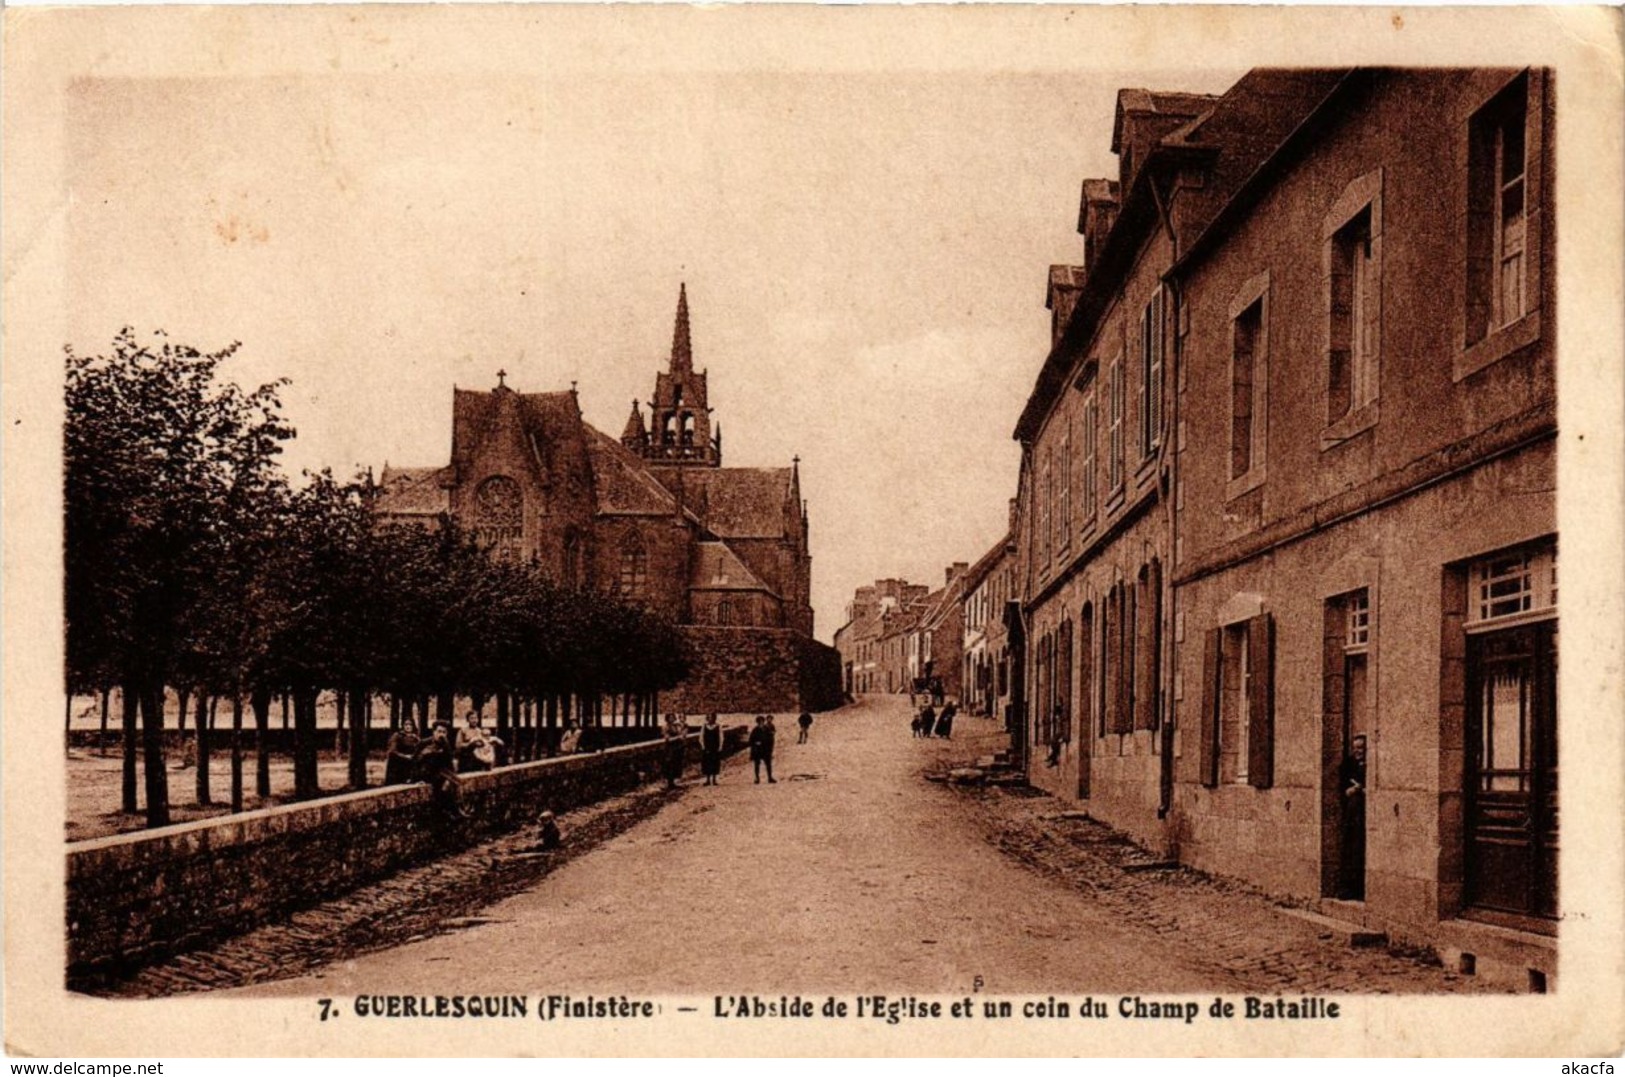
(933,530)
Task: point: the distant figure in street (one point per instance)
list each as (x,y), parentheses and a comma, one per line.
(945,720)
(710,749)
(570,740)
(675,749)
(474,748)
(761,748)
(805,722)
(928,720)
(401,757)
(914,723)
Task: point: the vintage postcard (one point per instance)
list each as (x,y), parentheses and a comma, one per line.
(783,530)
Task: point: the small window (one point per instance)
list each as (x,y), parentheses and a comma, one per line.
(1357,637)
(1520,584)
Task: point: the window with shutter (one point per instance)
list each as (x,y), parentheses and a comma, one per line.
(1261,701)
(1212,693)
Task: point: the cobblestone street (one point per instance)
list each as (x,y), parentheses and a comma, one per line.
(852,871)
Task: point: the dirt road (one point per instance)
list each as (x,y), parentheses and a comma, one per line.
(850,871)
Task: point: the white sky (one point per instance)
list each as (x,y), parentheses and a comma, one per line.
(865,253)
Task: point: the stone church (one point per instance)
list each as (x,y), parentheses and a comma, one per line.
(652,518)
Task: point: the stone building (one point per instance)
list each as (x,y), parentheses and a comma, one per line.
(871,643)
(652,518)
(987,588)
(1297,427)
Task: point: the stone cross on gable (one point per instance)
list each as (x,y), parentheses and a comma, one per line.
(501,374)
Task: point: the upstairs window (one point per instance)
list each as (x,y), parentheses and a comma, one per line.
(1063,518)
(1246,335)
(1502,273)
(1151,368)
(1354,321)
(1087,436)
(1114,427)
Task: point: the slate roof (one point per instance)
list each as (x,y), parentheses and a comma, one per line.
(741,502)
(473,412)
(623,484)
(717,568)
(412,491)
(1238,131)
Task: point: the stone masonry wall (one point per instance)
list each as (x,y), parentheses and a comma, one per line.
(743,670)
(132,898)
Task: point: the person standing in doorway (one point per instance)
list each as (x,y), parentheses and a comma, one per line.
(805,722)
(710,749)
(1352,783)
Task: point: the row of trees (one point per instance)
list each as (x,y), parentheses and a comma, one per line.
(192,563)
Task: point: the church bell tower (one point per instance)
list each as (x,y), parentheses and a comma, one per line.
(680,431)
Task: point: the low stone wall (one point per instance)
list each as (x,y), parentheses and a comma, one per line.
(133,898)
(279,741)
(766,670)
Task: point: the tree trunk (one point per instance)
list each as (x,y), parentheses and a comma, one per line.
(183,702)
(360,720)
(67,716)
(237,751)
(445,709)
(305,782)
(152,750)
(262,742)
(129,696)
(502,716)
(201,722)
(101,741)
(340,713)
(284,710)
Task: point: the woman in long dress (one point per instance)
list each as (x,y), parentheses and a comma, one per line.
(676,749)
(710,749)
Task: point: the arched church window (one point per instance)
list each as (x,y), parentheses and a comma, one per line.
(499,517)
(668,434)
(688,428)
(634,580)
(725,612)
(572,558)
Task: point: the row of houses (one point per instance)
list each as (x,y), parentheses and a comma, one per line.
(904,637)
(1279,595)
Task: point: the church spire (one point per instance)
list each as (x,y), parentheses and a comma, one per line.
(635,436)
(682,351)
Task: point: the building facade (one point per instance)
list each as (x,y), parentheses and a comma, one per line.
(1297,430)
(652,518)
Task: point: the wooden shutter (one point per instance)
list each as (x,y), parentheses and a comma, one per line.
(1261,701)
(1145,697)
(1211,672)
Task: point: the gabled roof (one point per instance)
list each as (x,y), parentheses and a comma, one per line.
(973,577)
(742,502)
(717,568)
(412,491)
(546,417)
(623,483)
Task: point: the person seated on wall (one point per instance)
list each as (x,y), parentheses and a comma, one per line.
(401,757)
(474,748)
(435,766)
(570,740)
